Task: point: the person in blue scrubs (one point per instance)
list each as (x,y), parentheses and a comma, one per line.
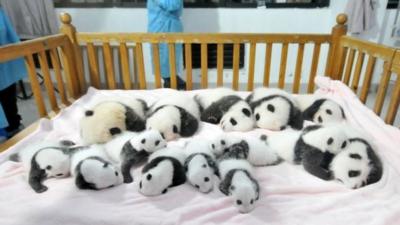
(10,72)
(164,17)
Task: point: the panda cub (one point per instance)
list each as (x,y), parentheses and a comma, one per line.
(357,165)
(200,165)
(222,106)
(324,111)
(163,170)
(129,149)
(44,160)
(255,150)
(92,169)
(109,118)
(237,180)
(275,109)
(174,117)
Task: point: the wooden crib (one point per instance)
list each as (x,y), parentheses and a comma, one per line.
(69,51)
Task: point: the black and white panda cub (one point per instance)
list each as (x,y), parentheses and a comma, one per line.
(324,111)
(222,106)
(109,118)
(174,117)
(163,171)
(237,179)
(357,165)
(275,109)
(129,149)
(200,165)
(44,160)
(92,169)
(255,150)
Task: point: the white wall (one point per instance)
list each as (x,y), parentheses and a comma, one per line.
(227,20)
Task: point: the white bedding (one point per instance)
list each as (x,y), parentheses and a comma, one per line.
(289,195)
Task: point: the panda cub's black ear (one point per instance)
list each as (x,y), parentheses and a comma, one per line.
(89,113)
(246,112)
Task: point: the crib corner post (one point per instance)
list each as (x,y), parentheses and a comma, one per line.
(336,56)
(68,29)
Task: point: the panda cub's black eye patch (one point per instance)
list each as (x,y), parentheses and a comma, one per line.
(271,108)
(354,173)
(344,144)
(238,202)
(116,173)
(330,141)
(204,166)
(320,119)
(175,129)
(233,121)
(263,137)
(115,130)
(329,112)
(162,135)
(246,112)
(148,177)
(257,116)
(223,142)
(206,179)
(164,191)
(157,142)
(140,185)
(105,165)
(143,141)
(251,201)
(89,113)
(197,186)
(48,167)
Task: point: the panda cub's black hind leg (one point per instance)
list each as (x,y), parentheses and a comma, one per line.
(314,163)
(36,176)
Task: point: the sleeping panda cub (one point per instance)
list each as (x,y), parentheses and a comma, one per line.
(324,111)
(222,106)
(44,160)
(163,171)
(109,118)
(275,109)
(255,150)
(237,180)
(129,149)
(200,165)
(92,169)
(357,165)
(174,117)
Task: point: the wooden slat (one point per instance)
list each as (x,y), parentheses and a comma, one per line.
(314,67)
(140,65)
(47,80)
(19,136)
(267,68)
(188,61)
(394,102)
(337,70)
(156,64)
(382,89)
(70,71)
(282,69)
(349,66)
(93,65)
(379,51)
(250,81)
(204,66)
(236,54)
(172,65)
(204,37)
(367,78)
(299,64)
(35,86)
(109,65)
(124,59)
(57,71)
(357,71)
(328,67)
(220,65)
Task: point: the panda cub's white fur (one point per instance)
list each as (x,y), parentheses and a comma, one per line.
(130,149)
(222,106)
(275,109)
(93,170)
(200,165)
(257,152)
(283,143)
(237,181)
(174,116)
(357,165)
(108,118)
(163,171)
(327,139)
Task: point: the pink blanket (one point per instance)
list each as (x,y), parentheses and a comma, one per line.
(289,195)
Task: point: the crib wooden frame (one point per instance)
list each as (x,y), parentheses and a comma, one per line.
(68,68)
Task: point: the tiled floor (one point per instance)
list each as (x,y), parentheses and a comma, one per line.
(28,110)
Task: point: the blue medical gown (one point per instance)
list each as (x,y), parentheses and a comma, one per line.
(163,17)
(11,71)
